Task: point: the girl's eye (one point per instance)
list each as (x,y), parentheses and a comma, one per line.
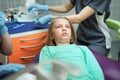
(67,26)
(58,26)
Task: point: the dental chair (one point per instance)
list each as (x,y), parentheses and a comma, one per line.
(115,26)
(111,68)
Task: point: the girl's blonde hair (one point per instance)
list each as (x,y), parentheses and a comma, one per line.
(50,40)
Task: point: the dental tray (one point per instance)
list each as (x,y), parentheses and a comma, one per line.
(18,27)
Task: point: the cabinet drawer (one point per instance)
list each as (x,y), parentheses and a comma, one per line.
(26,47)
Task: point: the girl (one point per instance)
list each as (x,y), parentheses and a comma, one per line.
(61,46)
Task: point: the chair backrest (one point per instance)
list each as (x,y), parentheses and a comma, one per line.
(111,68)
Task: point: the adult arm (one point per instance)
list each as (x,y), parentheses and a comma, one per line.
(61,9)
(95,6)
(84,14)
(77,18)
(6,44)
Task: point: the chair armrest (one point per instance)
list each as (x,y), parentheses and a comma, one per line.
(114,25)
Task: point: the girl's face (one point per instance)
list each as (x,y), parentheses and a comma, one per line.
(61,31)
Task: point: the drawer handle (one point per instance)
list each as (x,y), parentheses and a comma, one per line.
(32,46)
(27,57)
(41,37)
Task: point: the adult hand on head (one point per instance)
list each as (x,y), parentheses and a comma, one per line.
(3,28)
(44,19)
(37,7)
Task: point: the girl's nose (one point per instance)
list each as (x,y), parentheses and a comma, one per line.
(64,28)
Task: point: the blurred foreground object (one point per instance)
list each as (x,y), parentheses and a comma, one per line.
(37,72)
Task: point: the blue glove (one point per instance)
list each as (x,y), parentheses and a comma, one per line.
(8,69)
(37,7)
(3,28)
(44,19)
(11,67)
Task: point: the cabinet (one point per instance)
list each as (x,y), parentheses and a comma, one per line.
(26,47)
